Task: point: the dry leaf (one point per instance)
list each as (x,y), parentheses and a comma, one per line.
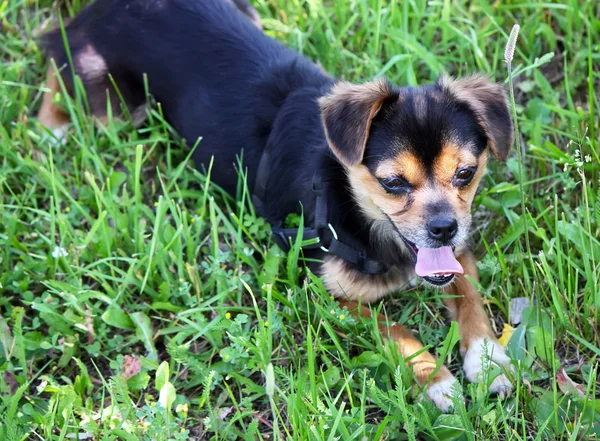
(11,382)
(568,386)
(131,367)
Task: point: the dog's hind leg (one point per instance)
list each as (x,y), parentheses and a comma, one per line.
(93,71)
(439,388)
(50,113)
(249,11)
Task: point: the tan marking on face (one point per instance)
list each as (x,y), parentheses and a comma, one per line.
(410,212)
(453,157)
(468,193)
(449,160)
(368,192)
(422,197)
(383,207)
(404,164)
(445,167)
(378,204)
(374,201)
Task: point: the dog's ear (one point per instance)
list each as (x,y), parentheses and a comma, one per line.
(488,100)
(347,112)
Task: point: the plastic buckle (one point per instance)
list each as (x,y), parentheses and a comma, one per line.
(335,237)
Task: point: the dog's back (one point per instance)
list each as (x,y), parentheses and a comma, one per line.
(216,75)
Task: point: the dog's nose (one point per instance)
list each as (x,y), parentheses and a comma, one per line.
(442,228)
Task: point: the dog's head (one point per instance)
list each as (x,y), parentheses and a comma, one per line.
(414,158)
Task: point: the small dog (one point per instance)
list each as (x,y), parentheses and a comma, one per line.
(385,176)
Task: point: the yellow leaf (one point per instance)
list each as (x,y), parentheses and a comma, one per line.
(507,333)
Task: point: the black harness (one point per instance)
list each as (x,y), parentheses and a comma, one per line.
(323,235)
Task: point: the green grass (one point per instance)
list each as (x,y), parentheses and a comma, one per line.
(229,340)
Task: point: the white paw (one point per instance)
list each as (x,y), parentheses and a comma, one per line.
(440,392)
(501,386)
(484,354)
(59,136)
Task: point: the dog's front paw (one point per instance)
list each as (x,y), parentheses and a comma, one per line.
(439,391)
(482,355)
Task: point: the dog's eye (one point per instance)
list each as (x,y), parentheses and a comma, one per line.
(395,184)
(464,176)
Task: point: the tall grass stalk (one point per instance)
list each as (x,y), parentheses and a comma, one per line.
(509,54)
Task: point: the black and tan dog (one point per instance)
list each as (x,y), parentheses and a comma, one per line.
(385,175)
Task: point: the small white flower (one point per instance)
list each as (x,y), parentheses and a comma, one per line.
(59,252)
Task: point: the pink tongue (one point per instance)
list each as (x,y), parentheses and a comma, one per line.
(437,261)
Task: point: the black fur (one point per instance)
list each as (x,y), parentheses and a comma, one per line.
(215,74)
(218,77)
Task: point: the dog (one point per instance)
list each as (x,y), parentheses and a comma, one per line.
(384,176)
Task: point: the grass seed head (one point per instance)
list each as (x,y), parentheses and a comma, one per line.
(509,52)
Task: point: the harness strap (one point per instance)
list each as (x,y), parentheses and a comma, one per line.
(358,258)
(284,236)
(322,230)
(320,203)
